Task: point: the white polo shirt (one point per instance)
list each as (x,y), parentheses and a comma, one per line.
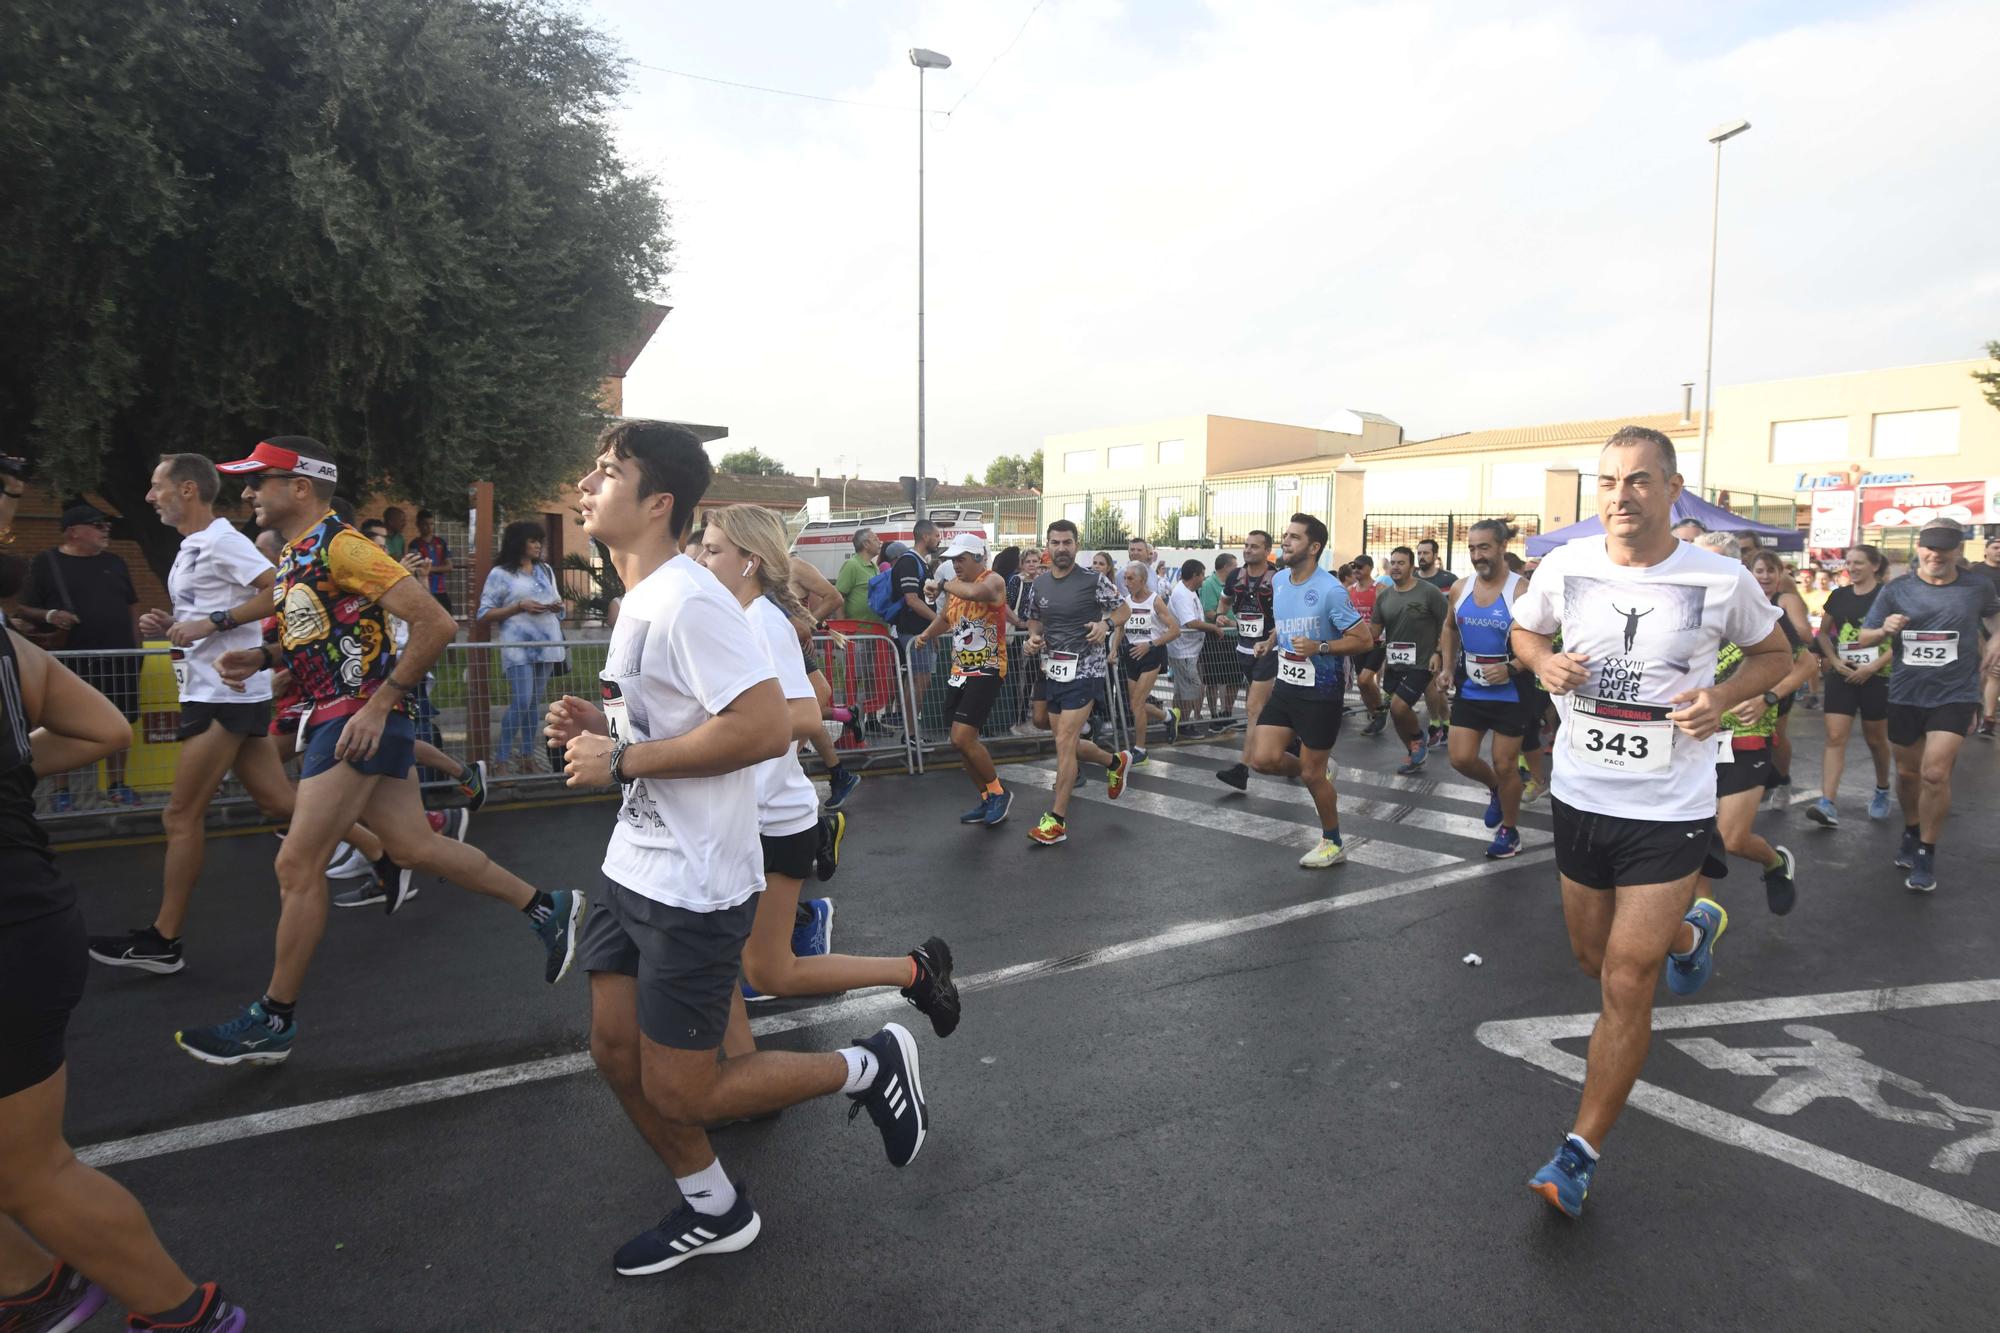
(217,569)
(682,651)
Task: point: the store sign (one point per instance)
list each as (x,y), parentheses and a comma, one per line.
(1853,477)
(1914,505)
(1832,520)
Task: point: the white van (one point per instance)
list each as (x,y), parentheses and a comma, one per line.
(826,544)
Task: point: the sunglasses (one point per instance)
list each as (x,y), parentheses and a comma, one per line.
(256,480)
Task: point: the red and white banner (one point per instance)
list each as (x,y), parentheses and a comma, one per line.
(1917,503)
(1832,520)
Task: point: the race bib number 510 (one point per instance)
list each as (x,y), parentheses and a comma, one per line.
(1620,737)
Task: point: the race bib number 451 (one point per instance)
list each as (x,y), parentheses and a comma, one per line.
(1620,737)
(1060,666)
(1930,647)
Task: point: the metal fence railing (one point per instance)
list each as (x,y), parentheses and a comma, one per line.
(1195,515)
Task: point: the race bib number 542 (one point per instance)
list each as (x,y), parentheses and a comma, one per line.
(1620,737)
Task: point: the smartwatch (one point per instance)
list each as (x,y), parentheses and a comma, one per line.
(1770,698)
(221,620)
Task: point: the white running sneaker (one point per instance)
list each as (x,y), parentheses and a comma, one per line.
(1326,854)
(347,862)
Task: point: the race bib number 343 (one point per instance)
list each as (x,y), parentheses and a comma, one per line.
(1620,737)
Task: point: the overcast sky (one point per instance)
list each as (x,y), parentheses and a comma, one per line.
(1460,215)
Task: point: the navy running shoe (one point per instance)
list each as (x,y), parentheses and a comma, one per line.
(1506,843)
(1923,874)
(1780,888)
(216,1315)
(895,1100)
(1565,1180)
(932,992)
(144,949)
(1687,975)
(66,1301)
(253,1037)
(557,932)
(813,936)
(1493,810)
(977,814)
(399,885)
(1236,775)
(997,806)
(1906,852)
(685,1233)
(840,785)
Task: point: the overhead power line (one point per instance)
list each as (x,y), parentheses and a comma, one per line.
(996,59)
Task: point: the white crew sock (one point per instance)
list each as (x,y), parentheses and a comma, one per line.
(1584,1144)
(708,1190)
(1699,936)
(862,1066)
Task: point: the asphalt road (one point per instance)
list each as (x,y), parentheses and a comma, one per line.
(1206,1089)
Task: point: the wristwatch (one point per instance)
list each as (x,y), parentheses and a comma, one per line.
(221,620)
(1770,698)
(618,762)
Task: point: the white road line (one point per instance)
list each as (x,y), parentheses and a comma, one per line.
(1243,823)
(1361,807)
(1447,786)
(860,1005)
(1533,1040)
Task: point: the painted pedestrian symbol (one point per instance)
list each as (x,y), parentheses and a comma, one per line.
(1827,1068)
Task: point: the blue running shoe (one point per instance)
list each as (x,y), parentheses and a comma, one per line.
(557,932)
(1419,751)
(1493,811)
(1923,874)
(840,785)
(1878,804)
(1687,975)
(895,1100)
(253,1037)
(977,814)
(684,1233)
(814,936)
(67,1300)
(62,803)
(1565,1180)
(1506,843)
(997,806)
(751,995)
(1906,853)
(1823,813)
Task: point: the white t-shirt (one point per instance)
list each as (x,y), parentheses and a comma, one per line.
(217,569)
(1649,633)
(682,651)
(786,801)
(1186,607)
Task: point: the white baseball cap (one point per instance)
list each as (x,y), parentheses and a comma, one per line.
(966,543)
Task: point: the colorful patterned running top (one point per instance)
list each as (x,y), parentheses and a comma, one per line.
(334,634)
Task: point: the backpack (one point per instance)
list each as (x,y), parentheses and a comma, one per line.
(883,599)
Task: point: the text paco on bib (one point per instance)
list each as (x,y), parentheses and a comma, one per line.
(1620,737)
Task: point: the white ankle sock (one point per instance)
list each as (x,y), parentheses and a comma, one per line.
(862,1066)
(1584,1144)
(708,1190)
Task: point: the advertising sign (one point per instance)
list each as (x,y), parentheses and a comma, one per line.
(1832,520)
(1915,504)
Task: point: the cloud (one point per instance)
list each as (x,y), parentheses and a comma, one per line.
(1447,213)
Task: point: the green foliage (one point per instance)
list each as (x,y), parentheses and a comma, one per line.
(1989,380)
(605,585)
(751,463)
(1104,526)
(400,227)
(1016,472)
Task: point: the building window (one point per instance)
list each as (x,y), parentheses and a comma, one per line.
(1821,440)
(1080,460)
(1172,451)
(1926,434)
(1125,455)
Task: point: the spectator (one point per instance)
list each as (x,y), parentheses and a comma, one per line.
(1218,656)
(521,598)
(432,548)
(1019,583)
(1105,565)
(852,581)
(394,520)
(81,587)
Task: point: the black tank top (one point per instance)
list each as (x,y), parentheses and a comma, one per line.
(30,886)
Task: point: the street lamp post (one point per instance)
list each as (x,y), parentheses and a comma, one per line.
(923,60)
(1717,136)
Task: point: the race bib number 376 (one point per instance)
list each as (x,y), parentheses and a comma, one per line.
(1620,737)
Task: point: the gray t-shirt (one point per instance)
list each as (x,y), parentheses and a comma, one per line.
(1067,607)
(1937,655)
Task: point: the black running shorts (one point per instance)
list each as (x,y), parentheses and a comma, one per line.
(1909,724)
(43,963)
(1153,659)
(1750,771)
(1407,683)
(1869,699)
(971,702)
(1502,717)
(1605,852)
(1259,668)
(239,719)
(791,854)
(1313,718)
(1373,659)
(686,963)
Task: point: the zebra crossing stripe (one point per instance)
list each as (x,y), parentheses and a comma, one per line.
(1441,787)
(1243,823)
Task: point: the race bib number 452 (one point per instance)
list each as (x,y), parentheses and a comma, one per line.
(1930,647)
(1620,737)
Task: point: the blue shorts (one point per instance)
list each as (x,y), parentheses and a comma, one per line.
(393,756)
(1067,696)
(922,660)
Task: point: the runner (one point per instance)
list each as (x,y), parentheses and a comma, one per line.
(1743,766)
(911,569)
(1857,682)
(1936,618)
(975,614)
(1185,653)
(1368,667)
(358,739)
(1149,627)
(742,545)
(821,601)
(1315,625)
(692,706)
(1431,572)
(1768,568)
(1246,604)
(1072,614)
(1482,618)
(1690,528)
(1411,615)
(1989,690)
(1538,726)
(1642,617)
